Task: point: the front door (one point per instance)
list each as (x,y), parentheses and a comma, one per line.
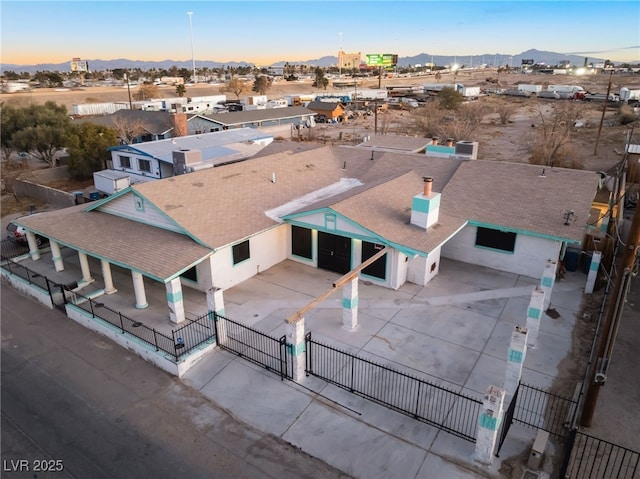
(334,252)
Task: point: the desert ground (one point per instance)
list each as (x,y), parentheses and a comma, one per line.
(510,142)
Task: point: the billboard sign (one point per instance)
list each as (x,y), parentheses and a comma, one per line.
(528,61)
(78,65)
(382,59)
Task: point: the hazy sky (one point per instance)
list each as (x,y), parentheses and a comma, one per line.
(264,32)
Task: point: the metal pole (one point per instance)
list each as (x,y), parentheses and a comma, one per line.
(612,320)
(193,58)
(126,75)
(604,109)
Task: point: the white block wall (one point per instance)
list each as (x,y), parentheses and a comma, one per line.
(528,258)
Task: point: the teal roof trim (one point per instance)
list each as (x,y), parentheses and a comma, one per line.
(129,189)
(131,149)
(294,219)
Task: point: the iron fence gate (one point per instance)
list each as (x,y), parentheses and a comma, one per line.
(541,409)
(435,405)
(507,421)
(255,346)
(588,457)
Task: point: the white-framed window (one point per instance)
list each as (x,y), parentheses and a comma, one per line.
(145,165)
(125,161)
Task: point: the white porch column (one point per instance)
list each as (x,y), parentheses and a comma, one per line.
(297,347)
(534,314)
(34,251)
(138,288)
(515,359)
(175,300)
(84,266)
(215,300)
(488,424)
(547,281)
(350,304)
(56,256)
(593,272)
(215,304)
(108,280)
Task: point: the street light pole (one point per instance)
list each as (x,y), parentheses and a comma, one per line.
(340,56)
(193,58)
(126,76)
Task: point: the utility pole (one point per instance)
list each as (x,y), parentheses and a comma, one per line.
(607,335)
(604,109)
(193,58)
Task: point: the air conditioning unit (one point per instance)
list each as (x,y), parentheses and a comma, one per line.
(467,148)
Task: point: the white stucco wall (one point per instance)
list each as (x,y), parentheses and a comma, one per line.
(266,250)
(528,259)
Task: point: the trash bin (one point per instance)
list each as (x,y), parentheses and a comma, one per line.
(571,259)
(586,262)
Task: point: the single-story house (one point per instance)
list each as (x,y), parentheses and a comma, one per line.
(146,126)
(165,158)
(330,208)
(331,111)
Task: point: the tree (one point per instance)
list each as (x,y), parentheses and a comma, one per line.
(87,145)
(128,129)
(13,119)
(261,84)
(450,99)
(551,145)
(146,92)
(236,86)
(320,80)
(504,110)
(42,132)
(180,90)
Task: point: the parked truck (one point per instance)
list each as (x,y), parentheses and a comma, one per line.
(535,89)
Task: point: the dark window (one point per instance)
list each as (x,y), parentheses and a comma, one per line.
(145,165)
(494,239)
(301,242)
(125,161)
(241,252)
(191,274)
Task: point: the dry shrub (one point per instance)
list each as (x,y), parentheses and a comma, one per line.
(626,115)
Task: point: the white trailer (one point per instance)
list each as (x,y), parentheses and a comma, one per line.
(470,91)
(86,109)
(110,182)
(627,94)
(430,87)
(369,94)
(530,88)
(566,88)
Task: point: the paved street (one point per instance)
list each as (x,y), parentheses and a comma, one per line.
(96,411)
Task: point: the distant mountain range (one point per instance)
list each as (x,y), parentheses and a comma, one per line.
(549,58)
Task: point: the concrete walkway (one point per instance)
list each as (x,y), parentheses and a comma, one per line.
(454,332)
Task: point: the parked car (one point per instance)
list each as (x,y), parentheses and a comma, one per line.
(19,235)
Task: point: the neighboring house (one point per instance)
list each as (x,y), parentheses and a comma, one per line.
(330,208)
(263,118)
(165,158)
(331,111)
(159,125)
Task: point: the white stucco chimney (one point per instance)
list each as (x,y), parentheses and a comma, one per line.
(425,206)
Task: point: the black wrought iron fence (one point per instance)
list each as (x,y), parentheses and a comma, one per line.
(254,345)
(430,403)
(593,458)
(11,249)
(541,409)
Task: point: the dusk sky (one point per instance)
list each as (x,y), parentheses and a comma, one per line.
(264,32)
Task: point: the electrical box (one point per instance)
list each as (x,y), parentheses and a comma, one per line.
(539,445)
